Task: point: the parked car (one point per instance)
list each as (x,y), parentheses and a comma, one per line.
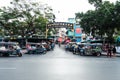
(10,48)
(40,50)
(81,49)
(117,49)
(67,47)
(36,48)
(91,49)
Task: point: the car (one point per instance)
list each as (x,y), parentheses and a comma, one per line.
(67,47)
(71,46)
(36,48)
(81,49)
(90,49)
(10,48)
(40,50)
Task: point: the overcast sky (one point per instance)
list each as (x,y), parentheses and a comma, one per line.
(67,8)
(64,9)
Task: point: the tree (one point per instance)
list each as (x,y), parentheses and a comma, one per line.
(96,3)
(23,18)
(105,19)
(117,14)
(88,21)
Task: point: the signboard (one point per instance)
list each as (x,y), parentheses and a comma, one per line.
(70,33)
(78,31)
(60,25)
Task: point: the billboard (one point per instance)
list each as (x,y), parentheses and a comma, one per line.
(78,31)
(60,25)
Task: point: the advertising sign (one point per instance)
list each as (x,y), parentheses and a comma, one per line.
(60,25)
(78,31)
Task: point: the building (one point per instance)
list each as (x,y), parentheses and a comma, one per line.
(77,30)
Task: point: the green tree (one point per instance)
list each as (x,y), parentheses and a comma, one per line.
(23,18)
(96,3)
(105,19)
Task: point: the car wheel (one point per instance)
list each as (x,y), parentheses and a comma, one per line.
(98,54)
(7,55)
(45,52)
(74,52)
(20,54)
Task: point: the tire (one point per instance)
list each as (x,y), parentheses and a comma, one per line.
(74,52)
(6,55)
(98,54)
(20,55)
(45,52)
(82,54)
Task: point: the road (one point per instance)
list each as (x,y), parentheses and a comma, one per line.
(59,65)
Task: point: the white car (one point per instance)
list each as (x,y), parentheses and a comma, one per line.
(118,49)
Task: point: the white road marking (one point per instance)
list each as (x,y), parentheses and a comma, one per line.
(7,68)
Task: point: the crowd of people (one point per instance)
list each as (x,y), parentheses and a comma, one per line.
(111,50)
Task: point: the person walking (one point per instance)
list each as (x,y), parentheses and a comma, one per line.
(52,45)
(109,52)
(59,43)
(114,51)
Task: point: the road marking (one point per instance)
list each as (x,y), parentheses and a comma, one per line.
(7,68)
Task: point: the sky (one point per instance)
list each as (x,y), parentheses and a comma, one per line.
(64,9)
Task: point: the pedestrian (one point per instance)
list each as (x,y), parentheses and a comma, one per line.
(52,45)
(109,52)
(59,43)
(114,51)
(106,48)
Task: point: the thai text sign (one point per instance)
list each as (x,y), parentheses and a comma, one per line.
(60,25)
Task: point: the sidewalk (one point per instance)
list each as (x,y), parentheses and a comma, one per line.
(105,54)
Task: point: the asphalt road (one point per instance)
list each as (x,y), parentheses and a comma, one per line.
(59,65)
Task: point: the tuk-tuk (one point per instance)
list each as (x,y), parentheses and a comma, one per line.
(35,48)
(10,48)
(91,49)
